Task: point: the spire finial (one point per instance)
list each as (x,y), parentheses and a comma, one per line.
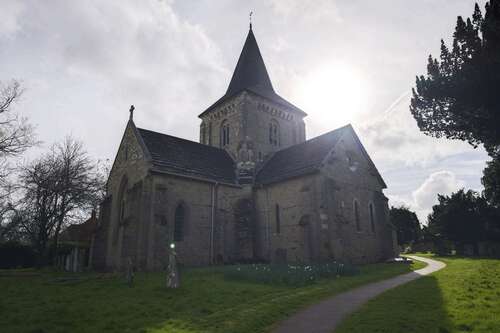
(250,19)
(132,108)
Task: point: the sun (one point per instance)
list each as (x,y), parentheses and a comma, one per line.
(333,95)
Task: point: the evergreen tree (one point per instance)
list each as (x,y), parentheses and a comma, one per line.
(464,217)
(406,223)
(491,181)
(460,96)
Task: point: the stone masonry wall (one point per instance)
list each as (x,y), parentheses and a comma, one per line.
(316,213)
(249,117)
(292,238)
(129,172)
(196,197)
(347,176)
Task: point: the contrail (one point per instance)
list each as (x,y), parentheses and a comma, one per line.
(393,105)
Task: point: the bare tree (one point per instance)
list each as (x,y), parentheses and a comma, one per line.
(16,135)
(60,187)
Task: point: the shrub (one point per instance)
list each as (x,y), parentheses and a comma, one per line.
(16,255)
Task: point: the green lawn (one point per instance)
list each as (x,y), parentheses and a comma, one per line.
(34,301)
(463,297)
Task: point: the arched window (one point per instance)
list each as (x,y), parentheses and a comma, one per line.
(179,221)
(356,216)
(224,134)
(278,219)
(274,133)
(122,204)
(372,216)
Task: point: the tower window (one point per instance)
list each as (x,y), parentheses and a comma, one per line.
(224,135)
(209,134)
(356,216)
(274,133)
(203,133)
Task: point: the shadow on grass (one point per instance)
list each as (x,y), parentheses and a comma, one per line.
(417,306)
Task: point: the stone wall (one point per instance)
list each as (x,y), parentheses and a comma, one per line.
(128,177)
(348,179)
(203,242)
(317,219)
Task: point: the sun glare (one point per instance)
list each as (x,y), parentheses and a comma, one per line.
(333,95)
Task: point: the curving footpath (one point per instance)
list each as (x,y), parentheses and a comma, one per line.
(327,315)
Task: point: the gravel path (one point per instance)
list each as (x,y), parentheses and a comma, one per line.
(326,315)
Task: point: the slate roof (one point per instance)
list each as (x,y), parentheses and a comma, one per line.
(300,159)
(189,158)
(251,75)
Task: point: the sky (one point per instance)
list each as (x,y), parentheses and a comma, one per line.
(83,63)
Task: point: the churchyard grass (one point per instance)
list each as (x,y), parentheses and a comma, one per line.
(462,297)
(45,301)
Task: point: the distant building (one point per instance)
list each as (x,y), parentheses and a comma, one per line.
(74,249)
(253,189)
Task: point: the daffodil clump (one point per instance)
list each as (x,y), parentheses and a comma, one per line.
(288,274)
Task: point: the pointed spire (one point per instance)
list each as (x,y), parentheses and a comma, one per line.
(250,19)
(250,71)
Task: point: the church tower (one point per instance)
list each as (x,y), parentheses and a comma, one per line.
(251,121)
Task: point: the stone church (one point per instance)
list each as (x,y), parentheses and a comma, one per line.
(253,188)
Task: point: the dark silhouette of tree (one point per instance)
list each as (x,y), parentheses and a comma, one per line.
(16,135)
(459,98)
(491,181)
(60,187)
(406,223)
(464,217)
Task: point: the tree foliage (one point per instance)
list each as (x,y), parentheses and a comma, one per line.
(491,181)
(406,223)
(464,217)
(459,98)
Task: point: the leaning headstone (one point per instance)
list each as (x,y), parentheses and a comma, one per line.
(172,272)
(130,272)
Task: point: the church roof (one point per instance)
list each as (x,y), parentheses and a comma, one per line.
(188,158)
(251,75)
(299,159)
(305,158)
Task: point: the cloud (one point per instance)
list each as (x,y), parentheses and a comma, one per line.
(441,182)
(394,138)
(307,10)
(93,59)
(425,196)
(9,17)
